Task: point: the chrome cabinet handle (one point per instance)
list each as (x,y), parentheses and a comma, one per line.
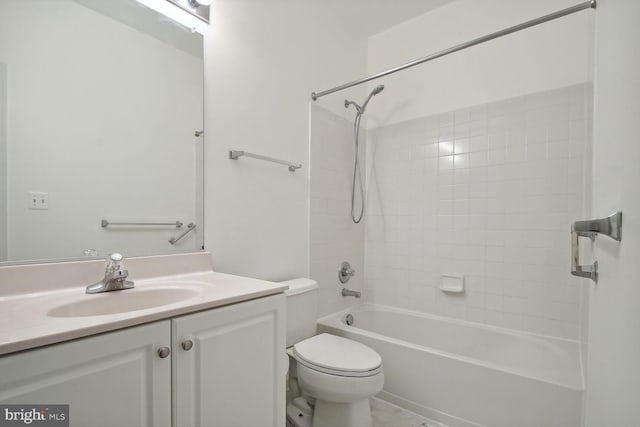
(164,352)
(187,345)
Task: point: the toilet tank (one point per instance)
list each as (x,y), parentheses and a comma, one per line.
(302,309)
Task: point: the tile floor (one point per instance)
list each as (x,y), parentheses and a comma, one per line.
(386,414)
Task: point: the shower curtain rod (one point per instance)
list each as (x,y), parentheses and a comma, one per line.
(555,15)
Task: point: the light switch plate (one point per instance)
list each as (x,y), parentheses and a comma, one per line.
(38,200)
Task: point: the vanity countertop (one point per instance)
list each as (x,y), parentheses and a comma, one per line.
(46,315)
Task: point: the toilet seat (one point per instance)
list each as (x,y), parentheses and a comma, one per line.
(338,356)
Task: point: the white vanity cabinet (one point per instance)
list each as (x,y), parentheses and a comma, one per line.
(115,379)
(229,365)
(225,367)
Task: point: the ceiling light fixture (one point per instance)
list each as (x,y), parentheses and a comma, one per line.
(198,8)
(197,3)
(178,14)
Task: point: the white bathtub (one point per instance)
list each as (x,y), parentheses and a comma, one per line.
(466,374)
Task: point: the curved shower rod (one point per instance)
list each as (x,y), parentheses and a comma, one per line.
(591,4)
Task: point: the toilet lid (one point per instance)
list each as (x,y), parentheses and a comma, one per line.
(338,354)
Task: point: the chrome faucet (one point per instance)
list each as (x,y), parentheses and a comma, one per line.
(349,293)
(115,277)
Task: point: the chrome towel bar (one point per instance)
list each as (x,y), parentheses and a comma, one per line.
(190,227)
(234,154)
(104,224)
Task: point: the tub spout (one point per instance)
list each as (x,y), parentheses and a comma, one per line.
(349,293)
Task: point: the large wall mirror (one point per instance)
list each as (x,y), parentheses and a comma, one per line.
(101,113)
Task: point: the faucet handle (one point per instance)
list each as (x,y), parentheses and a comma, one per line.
(116,257)
(121,274)
(114,263)
(345,272)
(116,275)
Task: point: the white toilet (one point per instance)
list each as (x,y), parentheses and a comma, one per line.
(336,376)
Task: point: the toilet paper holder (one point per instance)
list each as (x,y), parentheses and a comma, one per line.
(610,226)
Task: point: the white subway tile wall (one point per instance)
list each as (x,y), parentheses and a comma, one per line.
(334,238)
(488,192)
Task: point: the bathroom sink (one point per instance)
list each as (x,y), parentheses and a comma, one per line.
(124,301)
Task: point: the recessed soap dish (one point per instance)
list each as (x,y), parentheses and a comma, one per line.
(452,283)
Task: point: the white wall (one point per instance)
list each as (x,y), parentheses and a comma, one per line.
(487,192)
(613,381)
(262,61)
(545,57)
(101,117)
(516,106)
(3,162)
(334,238)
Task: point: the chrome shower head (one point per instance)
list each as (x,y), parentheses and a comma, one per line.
(378,89)
(375,91)
(360,109)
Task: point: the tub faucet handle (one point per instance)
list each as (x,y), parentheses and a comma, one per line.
(345,272)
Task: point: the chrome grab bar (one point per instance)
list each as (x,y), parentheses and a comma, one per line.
(104,223)
(610,226)
(190,227)
(234,154)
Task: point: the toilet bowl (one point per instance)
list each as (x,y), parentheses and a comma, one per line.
(334,376)
(339,376)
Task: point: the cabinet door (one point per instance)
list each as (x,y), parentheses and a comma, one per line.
(234,375)
(114,379)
